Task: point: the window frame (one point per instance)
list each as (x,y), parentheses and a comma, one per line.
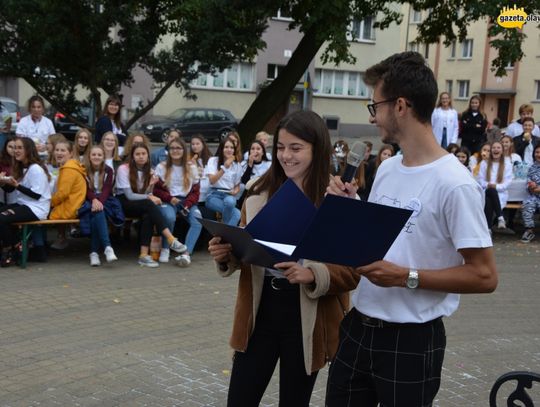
(361,91)
(210,79)
(460,95)
(362,24)
(467,47)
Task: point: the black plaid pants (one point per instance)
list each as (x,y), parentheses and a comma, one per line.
(386,364)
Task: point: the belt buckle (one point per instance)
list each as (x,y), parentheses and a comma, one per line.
(371,322)
(273,284)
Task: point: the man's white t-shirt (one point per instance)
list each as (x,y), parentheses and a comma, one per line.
(35,179)
(38,131)
(448,215)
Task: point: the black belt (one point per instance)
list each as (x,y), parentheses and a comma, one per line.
(280,284)
(379,323)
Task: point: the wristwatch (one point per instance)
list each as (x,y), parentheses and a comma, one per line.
(412,279)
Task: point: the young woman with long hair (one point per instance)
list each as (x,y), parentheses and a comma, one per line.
(132,139)
(110,120)
(473,125)
(7,161)
(82,144)
(109,143)
(199,156)
(291,314)
(29,181)
(135,184)
(386,151)
(476,159)
(224,173)
(495,176)
(70,191)
(180,178)
(100,182)
(508,151)
(444,121)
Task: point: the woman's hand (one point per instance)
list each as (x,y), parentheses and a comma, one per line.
(97,206)
(235,190)
(221,252)
(175,201)
(295,273)
(153,180)
(154,199)
(228,162)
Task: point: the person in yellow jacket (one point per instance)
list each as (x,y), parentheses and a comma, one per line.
(70,189)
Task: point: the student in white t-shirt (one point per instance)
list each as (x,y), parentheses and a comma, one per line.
(495,176)
(180,178)
(29,181)
(515,129)
(224,173)
(35,125)
(135,186)
(444,249)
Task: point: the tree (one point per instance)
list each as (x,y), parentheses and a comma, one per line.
(60,47)
(327,22)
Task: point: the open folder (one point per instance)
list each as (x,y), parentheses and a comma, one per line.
(342,231)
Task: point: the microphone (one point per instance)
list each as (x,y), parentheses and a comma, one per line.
(354,158)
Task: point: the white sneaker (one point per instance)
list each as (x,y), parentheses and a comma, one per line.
(178,247)
(60,244)
(147,261)
(164,255)
(110,256)
(501,224)
(94,259)
(183,260)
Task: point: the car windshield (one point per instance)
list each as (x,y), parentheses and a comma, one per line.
(177,114)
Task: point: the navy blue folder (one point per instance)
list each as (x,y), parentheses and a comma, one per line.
(342,231)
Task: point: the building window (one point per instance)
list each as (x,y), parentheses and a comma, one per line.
(283,14)
(362,30)
(466,49)
(238,76)
(340,83)
(273,70)
(449,86)
(416,16)
(453,49)
(537,90)
(414,46)
(463,92)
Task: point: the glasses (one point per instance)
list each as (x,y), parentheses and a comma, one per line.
(372,107)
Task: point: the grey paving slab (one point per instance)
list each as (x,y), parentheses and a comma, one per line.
(122,335)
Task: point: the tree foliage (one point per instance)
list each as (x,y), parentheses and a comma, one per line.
(59,47)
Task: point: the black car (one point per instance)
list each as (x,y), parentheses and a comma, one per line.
(213,124)
(66,127)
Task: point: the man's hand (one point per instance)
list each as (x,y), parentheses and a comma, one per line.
(385,274)
(337,187)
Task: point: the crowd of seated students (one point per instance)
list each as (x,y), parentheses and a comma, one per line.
(101,184)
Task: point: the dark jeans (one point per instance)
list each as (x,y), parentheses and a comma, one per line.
(396,365)
(9,214)
(277,335)
(492,206)
(149,214)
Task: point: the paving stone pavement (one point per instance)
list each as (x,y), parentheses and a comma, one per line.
(122,335)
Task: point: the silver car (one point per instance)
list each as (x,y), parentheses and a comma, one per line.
(10,107)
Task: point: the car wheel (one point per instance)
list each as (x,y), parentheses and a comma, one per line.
(223,133)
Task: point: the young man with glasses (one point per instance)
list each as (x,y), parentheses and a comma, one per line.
(392,342)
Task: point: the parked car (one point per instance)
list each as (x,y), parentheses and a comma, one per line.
(213,124)
(13,110)
(65,126)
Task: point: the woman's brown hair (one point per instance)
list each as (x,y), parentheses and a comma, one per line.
(146,169)
(186,170)
(31,157)
(90,169)
(310,127)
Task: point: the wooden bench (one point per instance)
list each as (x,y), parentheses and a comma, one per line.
(513,205)
(27,232)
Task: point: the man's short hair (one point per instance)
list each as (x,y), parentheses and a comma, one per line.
(406,75)
(526,108)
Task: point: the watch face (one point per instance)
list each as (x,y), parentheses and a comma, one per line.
(412,280)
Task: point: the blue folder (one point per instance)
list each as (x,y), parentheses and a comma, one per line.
(342,231)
